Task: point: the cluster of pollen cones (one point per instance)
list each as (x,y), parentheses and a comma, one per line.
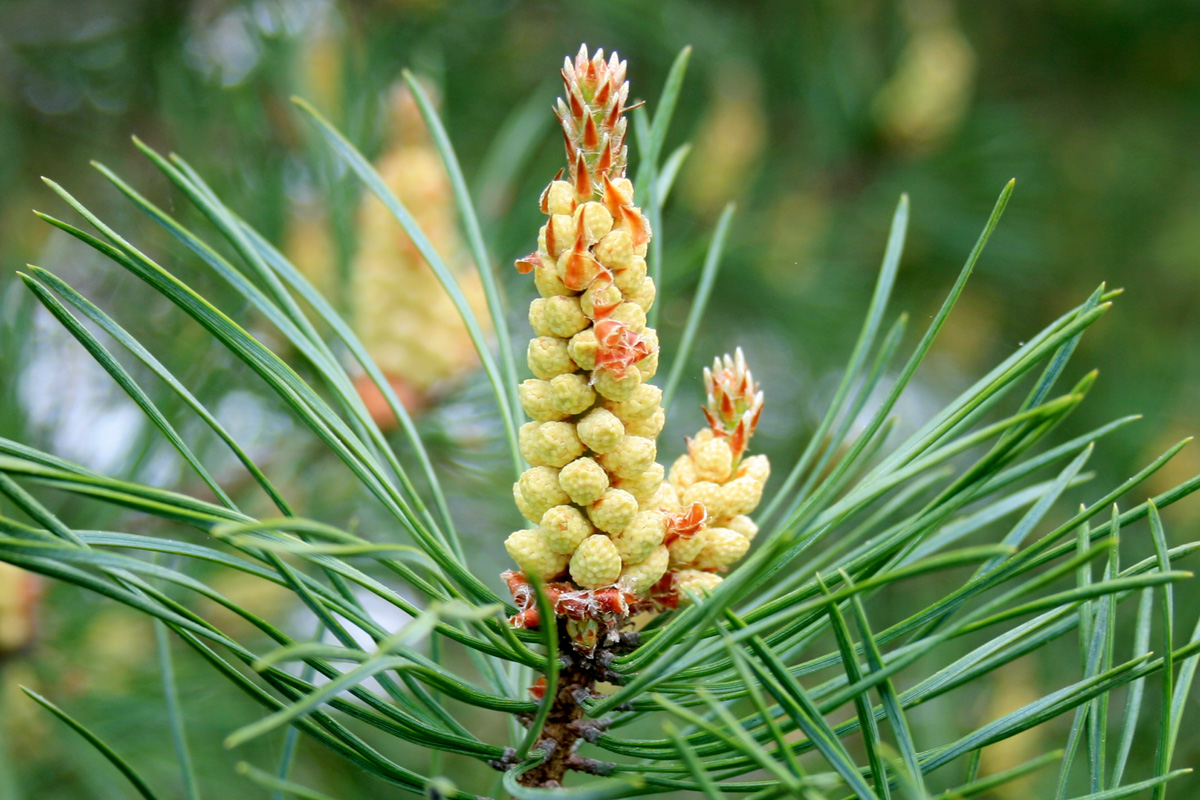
(612,535)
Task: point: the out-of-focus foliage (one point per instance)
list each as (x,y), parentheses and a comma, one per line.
(813,116)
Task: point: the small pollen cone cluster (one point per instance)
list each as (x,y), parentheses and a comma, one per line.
(406,320)
(716,475)
(19,593)
(605,527)
(591,494)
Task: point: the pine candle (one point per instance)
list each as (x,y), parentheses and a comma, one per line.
(608,534)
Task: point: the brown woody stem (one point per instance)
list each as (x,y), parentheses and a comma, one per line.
(566,726)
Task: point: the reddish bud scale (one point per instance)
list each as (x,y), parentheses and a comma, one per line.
(608,606)
(619,346)
(639,226)
(665,594)
(582,178)
(686,524)
(591,135)
(614,199)
(603,310)
(529,263)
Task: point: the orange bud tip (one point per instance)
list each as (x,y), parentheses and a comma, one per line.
(638,226)
(591,136)
(583,180)
(527,264)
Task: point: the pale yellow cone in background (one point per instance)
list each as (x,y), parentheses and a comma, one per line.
(19,592)
(405,318)
(1015,686)
(399,309)
(730,140)
(927,97)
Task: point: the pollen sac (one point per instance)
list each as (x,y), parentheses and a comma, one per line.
(531,552)
(631,457)
(527,510)
(560,236)
(648,366)
(560,198)
(549,444)
(684,551)
(641,404)
(650,427)
(593,220)
(613,512)
(694,583)
(537,318)
(576,270)
(641,537)
(600,299)
(584,481)
(625,187)
(618,389)
(630,314)
(583,348)
(665,499)
(563,317)
(595,563)
(740,496)
(640,577)
(683,473)
(539,487)
(548,357)
(630,279)
(713,460)
(744,525)
(615,251)
(571,394)
(548,284)
(537,400)
(644,485)
(564,528)
(707,494)
(722,547)
(601,430)
(755,467)
(644,295)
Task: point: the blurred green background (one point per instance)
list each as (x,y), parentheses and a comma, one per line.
(812,116)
